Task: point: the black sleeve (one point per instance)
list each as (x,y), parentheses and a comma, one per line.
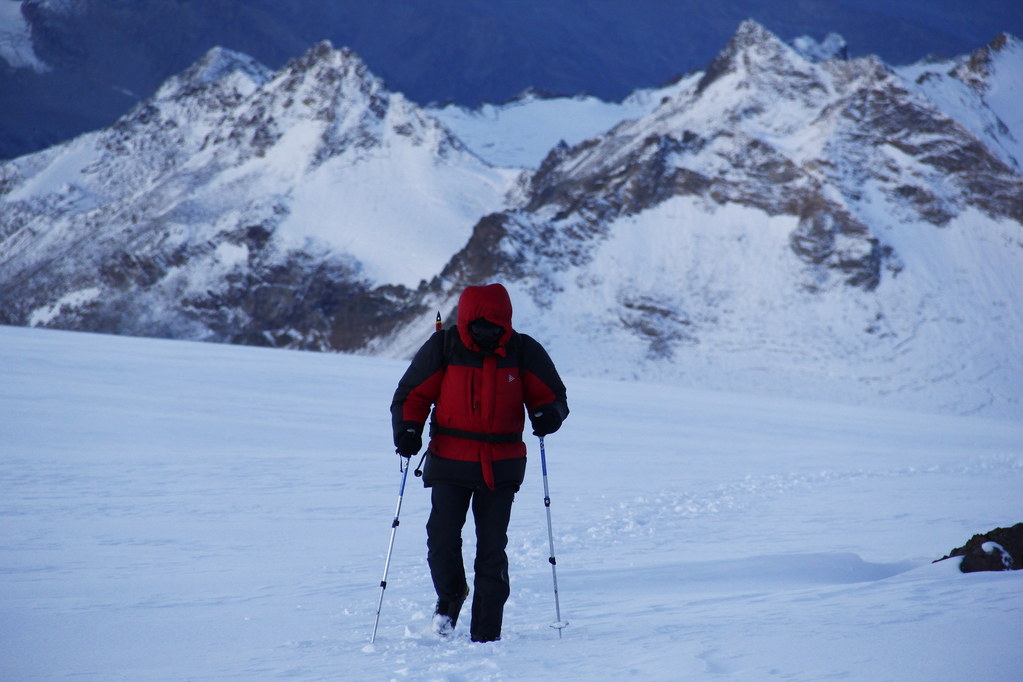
(545,387)
(419,386)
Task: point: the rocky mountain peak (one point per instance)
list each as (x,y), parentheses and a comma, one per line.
(976,70)
(330,99)
(753,53)
(216,65)
(323,66)
(750,34)
(215,84)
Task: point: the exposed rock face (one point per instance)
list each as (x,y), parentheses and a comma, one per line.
(998,550)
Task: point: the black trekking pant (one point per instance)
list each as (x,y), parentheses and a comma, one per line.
(491,510)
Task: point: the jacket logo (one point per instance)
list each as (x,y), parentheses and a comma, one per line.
(511,378)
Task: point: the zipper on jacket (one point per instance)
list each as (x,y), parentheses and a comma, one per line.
(488,390)
(474,402)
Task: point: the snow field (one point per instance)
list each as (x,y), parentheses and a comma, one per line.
(178,511)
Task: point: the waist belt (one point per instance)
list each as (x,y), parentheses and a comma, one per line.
(476,435)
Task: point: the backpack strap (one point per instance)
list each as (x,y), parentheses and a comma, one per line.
(450,338)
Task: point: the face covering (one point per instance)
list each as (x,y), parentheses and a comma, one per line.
(486,334)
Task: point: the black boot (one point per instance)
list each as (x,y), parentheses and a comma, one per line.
(445,615)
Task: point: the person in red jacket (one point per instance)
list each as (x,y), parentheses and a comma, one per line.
(480,379)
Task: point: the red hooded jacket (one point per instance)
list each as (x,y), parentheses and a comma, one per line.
(478,398)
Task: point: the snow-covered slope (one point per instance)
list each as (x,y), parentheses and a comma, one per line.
(981,91)
(521,133)
(182,511)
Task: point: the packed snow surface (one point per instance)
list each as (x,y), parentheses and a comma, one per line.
(180,511)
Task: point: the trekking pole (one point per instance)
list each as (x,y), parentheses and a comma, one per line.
(559,624)
(390,545)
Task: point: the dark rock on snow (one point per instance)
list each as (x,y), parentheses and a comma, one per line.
(998,550)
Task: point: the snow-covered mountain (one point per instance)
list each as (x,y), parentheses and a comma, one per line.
(829,229)
(782,221)
(241,205)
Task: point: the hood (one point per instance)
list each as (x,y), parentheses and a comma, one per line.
(492,303)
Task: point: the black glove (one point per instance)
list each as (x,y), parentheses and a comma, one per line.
(408,439)
(545,419)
